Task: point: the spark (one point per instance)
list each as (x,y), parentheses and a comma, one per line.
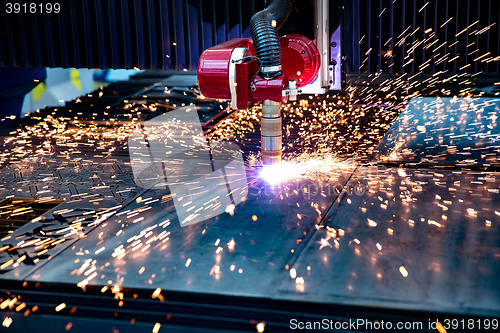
(230,245)
(461,32)
(446,22)
(324,243)
(423,7)
(484,55)
(7,321)
(403,271)
(156,293)
(60,307)
(230,209)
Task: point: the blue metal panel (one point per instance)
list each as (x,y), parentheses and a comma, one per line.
(380,36)
(123,33)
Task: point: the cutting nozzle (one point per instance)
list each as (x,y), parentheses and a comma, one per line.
(271,132)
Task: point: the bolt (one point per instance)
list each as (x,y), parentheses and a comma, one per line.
(303,52)
(333,44)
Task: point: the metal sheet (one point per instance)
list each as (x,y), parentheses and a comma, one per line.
(416,239)
(444,131)
(243,252)
(88,190)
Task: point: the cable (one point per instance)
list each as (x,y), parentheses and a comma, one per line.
(263,28)
(258,69)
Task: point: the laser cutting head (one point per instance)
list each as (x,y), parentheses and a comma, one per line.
(231,71)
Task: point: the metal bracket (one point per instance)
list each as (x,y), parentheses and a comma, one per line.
(335,66)
(237,54)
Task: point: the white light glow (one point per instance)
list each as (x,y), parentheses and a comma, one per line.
(303,166)
(280,172)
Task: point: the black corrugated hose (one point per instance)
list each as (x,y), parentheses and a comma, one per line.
(264,29)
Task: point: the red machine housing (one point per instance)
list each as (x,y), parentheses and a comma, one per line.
(227,71)
(300,58)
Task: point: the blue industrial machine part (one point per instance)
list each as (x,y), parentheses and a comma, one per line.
(171,34)
(14,84)
(153,34)
(379,36)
